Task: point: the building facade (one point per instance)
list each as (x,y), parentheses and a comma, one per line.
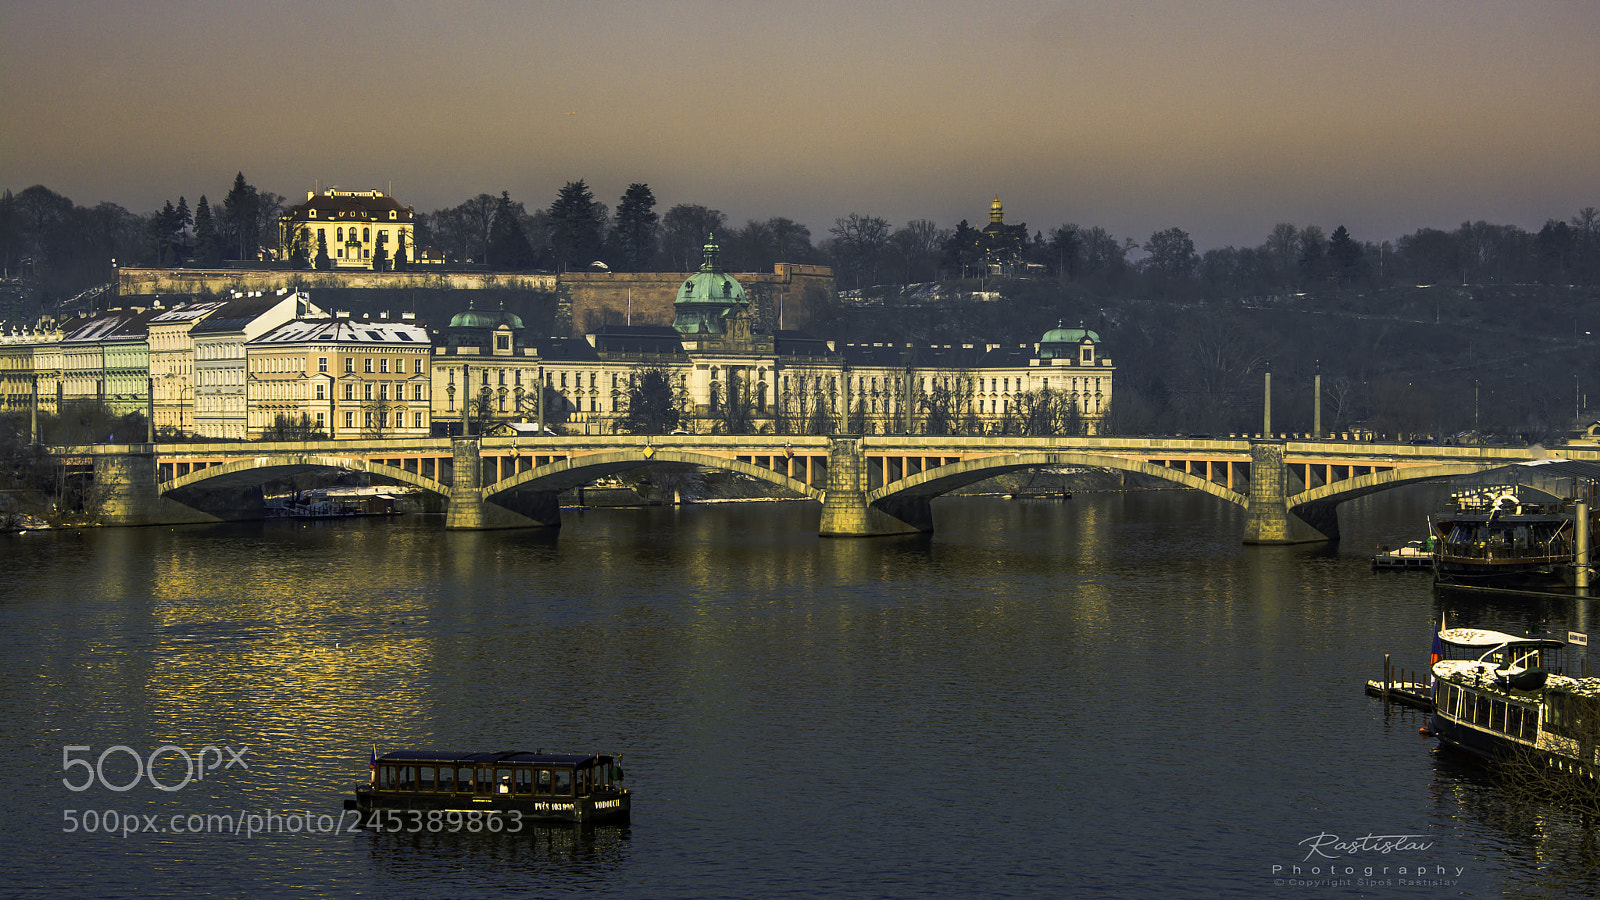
(172,365)
(220,373)
(356,230)
(343,377)
(728,373)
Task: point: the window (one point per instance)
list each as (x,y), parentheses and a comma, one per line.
(369,365)
(383,365)
(349,392)
(319,392)
(502,342)
(349,364)
(349,420)
(400,366)
(366,235)
(320,423)
(366,391)
(383,391)
(340,235)
(322,364)
(418,417)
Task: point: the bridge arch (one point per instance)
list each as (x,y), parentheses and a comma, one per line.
(1362,485)
(944,479)
(260,469)
(569,473)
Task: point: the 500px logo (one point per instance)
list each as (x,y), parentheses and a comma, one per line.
(171,759)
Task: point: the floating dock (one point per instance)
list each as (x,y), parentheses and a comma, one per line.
(1401,686)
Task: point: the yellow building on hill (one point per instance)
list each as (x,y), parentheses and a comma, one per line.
(355,229)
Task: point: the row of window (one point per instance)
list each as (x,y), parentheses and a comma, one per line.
(394,215)
(1511,719)
(514,780)
(379,418)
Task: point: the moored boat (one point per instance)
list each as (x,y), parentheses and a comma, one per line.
(1414,556)
(506,787)
(1513,698)
(1495,538)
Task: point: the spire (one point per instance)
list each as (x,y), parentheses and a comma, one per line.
(712,263)
(997,215)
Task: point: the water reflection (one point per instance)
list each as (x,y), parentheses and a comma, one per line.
(558,858)
(796,715)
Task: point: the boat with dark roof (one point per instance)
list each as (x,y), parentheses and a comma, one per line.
(1498,695)
(506,786)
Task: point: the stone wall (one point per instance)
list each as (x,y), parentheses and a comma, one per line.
(219,281)
(791,295)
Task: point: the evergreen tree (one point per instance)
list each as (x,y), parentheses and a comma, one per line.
(163,232)
(380,256)
(239,210)
(1345,254)
(185,247)
(577,226)
(633,235)
(508,243)
(207,250)
(400,257)
(299,251)
(651,406)
(324,261)
(962,250)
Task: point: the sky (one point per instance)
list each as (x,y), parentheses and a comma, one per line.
(1220,118)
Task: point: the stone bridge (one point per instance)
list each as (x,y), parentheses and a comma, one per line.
(867,485)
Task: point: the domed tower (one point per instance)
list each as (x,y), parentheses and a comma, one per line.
(497,332)
(708,298)
(1066,343)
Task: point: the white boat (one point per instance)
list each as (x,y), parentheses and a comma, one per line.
(1496,695)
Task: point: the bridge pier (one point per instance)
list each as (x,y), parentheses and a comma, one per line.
(470,510)
(845,511)
(1270,520)
(126,483)
(129,494)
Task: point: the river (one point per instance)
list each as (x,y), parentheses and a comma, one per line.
(1109,696)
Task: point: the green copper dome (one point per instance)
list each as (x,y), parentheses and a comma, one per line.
(1062,342)
(473,318)
(707,297)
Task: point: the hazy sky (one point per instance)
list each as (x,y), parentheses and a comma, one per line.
(1221,118)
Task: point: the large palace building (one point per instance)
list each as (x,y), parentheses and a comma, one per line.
(247,367)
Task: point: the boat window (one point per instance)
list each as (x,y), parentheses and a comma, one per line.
(485,780)
(544,781)
(408,778)
(524,781)
(386,778)
(463,780)
(1514,721)
(581,782)
(563,784)
(502,781)
(1497,715)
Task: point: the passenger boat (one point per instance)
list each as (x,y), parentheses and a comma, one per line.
(508,786)
(1492,538)
(1513,697)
